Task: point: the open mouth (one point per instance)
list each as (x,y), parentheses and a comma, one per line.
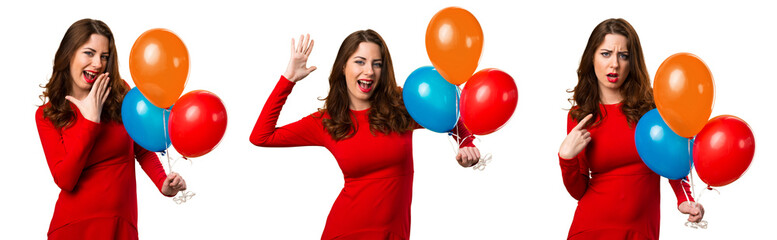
(90,76)
(612,77)
(365,85)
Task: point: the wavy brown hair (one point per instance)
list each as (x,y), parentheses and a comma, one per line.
(387,110)
(636,90)
(60,84)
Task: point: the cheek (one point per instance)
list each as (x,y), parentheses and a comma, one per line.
(350,73)
(377,73)
(625,69)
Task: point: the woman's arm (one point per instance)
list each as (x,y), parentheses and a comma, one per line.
(305,132)
(67,149)
(150,164)
(468,154)
(685,202)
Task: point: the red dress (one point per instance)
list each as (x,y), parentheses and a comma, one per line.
(378,169)
(621,198)
(94,165)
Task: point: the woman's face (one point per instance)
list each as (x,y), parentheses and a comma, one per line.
(88,62)
(362,73)
(611,61)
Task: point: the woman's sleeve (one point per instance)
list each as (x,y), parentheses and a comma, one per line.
(150,164)
(574,171)
(305,132)
(461,131)
(681,190)
(66,149)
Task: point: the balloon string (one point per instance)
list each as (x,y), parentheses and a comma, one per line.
(482,162)
(184,195)
(703,223)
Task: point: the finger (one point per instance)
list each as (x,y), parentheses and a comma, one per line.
(582,122)
(459,156)
(477,153)
(470,156)
(310,48)
(311,69)
(105,96)
(182,184)
(72,100)
(307,43)
(100,86)
(176,181)
(299,45)
(96,85)
(104,84)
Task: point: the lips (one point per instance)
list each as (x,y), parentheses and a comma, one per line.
(90,76)
(365,85)
(612,77)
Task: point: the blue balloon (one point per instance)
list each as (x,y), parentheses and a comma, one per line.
(431,101)
(662,150)
(145,123)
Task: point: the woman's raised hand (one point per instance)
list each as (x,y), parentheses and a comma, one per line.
(297,68)
(92,106)
(576,140)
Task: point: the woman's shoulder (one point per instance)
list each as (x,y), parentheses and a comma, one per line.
(39,111)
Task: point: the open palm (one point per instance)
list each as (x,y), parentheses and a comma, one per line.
(297,68)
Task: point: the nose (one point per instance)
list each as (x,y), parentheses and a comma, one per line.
(614,62)
(368,70)
(97,62)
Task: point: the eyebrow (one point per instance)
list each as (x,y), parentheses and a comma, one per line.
(364,58)
(92,49)
(608,50)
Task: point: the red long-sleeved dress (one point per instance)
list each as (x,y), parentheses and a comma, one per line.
(621,198)
(94,165)
(378,169)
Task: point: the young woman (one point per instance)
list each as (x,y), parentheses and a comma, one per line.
(88,151)
(618,195)
(365,125)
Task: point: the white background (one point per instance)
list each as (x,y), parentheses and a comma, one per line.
(239,50)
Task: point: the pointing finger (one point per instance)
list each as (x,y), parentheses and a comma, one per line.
(583,122)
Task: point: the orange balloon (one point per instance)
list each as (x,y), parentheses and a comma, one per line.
(159,64)
(684,93)
(454,41)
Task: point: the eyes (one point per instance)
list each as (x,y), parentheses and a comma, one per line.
(377,63)
(621,55)
(104,57)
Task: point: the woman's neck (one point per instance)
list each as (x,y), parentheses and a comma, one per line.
(359,105)
(610,96)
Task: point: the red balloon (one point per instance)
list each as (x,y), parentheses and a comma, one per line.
(488,100)
(723,150)
(197,123)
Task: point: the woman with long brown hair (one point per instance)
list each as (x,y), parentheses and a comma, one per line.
(618,195)
(365,125)
(89,153)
